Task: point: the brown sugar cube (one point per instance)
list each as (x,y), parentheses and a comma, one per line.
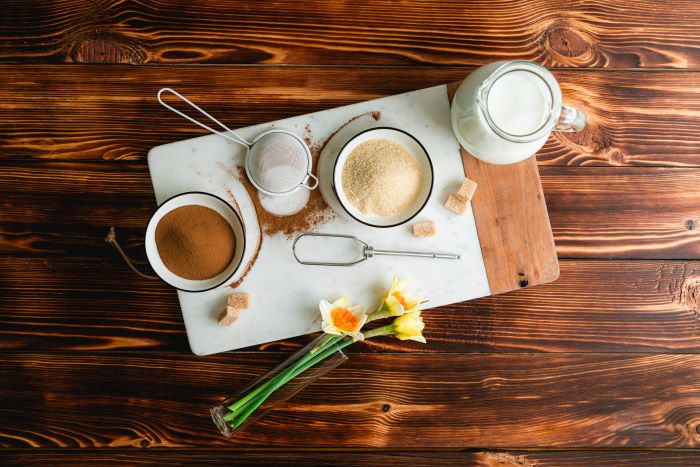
(239,301)
(467,189)
(424,229)
(457,204)
(228,316)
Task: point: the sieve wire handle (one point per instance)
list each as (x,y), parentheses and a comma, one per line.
(315,182)
(233,136)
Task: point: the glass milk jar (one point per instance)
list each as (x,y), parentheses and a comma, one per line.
(504,112)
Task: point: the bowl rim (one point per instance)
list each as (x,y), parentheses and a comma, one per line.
(236,215)
(430,164)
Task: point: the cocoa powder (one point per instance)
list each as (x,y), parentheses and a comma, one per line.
(316,211)
(195,242)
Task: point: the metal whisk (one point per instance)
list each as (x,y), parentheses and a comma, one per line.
(365,251)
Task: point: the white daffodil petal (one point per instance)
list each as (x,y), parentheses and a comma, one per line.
(418,339)
(342,302)
(331,330)
(326,309)
(362,322)
(403,284)
(357,310)
(358,336)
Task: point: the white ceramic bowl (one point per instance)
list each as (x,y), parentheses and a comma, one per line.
(417,151)
(201,199)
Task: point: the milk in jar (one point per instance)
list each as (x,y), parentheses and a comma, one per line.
(504,112)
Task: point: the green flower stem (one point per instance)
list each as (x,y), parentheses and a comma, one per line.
(250,408)
(244,401)
(253,405)
(380,331)
(324,342)
(238,405)
(379,314)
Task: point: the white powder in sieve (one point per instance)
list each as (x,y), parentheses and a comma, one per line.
(381,178)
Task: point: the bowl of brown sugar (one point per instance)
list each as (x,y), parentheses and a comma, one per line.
(195,241)
(383,177)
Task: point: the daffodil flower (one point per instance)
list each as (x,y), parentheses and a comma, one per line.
(398,301)
(409,327)
(340,318)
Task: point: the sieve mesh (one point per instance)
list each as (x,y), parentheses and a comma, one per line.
(277,162)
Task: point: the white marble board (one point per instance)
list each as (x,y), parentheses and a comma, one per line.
(285,294)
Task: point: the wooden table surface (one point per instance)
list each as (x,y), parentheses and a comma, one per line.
(599,368)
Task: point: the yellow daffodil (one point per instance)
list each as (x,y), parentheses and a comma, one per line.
(400,299)
(409,327)
(342,318)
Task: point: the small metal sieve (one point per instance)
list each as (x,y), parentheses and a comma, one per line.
(277,162)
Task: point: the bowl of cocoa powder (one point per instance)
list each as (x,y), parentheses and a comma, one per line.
(195,241)
(383,177)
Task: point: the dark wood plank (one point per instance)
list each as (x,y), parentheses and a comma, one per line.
(56,303)
(558,33)
(520,400)
(595,212)
(401,458)
(623,213)
(96,113)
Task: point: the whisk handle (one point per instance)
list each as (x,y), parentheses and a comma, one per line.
(233,136)
(369,251)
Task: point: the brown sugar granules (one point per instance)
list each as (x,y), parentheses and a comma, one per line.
(425,229)
(239,300)
(195,242)
(457,204)
(228,316)
(467,189)
(381,177)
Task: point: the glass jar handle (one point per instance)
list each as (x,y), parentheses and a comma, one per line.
(570,120)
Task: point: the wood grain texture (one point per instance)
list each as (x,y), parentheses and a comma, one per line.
(402,458)
(636,213)
(98,113)
(556,33)
(512,224)
(563,401)
(95,362)
(623,213)
(97,304)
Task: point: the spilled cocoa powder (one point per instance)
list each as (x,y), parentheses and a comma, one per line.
(315,213)
(256,252)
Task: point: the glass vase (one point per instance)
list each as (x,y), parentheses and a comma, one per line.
(221,413)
